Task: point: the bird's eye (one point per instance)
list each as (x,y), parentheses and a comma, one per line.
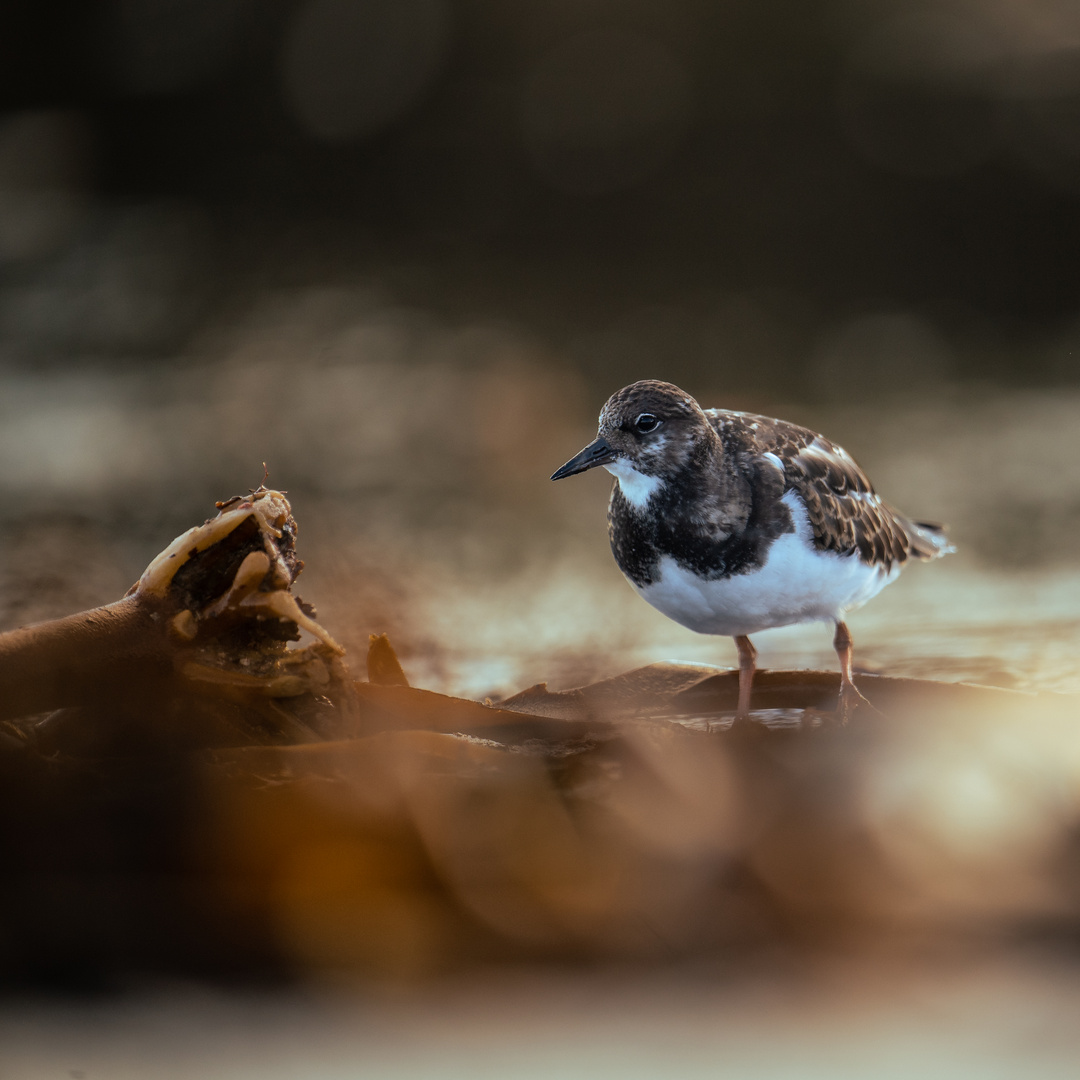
(647,422)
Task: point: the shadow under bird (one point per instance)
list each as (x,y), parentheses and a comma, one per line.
(730,523)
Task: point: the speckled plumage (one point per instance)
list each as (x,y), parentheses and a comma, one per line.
(730,522)
(845,512)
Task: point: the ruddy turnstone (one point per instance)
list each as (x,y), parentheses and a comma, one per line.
(730,523)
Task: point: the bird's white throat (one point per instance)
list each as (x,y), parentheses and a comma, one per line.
(637,488)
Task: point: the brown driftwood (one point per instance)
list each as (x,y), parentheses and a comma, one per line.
(679,691)
(79,658)
(209,620)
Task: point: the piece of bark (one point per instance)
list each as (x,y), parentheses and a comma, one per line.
(384,668)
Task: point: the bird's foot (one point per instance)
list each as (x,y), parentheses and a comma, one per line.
(739,722)
(745,729)
(852,700)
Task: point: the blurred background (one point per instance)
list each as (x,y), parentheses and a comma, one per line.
(402,252)
(816,195)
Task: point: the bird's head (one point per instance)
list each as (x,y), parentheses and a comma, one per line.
(648,431)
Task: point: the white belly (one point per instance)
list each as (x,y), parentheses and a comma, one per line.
(796,584)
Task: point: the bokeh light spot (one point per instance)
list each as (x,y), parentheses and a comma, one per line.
(352,67)
(43,161)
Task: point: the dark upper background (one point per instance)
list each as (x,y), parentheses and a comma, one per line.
(839,195)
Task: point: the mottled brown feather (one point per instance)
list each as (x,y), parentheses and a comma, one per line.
(845,512)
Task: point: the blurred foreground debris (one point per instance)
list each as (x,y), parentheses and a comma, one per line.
(183,792)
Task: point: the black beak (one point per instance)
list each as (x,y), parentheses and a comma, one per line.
(596,453)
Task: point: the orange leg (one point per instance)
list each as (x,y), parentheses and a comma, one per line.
(747,656)
(849,694)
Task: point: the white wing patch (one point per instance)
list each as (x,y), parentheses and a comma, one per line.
(817,449)
(821,449)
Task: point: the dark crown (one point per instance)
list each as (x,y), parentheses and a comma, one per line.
(664,399)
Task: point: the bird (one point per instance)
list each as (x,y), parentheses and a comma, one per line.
(731,523)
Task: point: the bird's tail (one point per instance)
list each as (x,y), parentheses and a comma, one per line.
(928,539)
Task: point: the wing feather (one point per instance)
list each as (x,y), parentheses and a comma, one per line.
(846,514)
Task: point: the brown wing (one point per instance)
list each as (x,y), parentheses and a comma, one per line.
(845,512)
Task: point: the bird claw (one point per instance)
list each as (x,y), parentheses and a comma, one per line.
(852,699)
